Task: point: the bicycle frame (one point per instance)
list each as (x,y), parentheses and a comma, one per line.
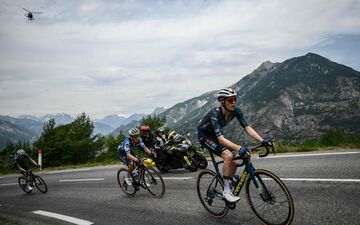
(248,171)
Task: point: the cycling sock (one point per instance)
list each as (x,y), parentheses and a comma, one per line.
(227,181)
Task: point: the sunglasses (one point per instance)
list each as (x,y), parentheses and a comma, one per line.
(231,100)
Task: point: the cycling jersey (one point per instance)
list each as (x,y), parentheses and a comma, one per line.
(126,147)
(23,161)
(214,121)
(210,127)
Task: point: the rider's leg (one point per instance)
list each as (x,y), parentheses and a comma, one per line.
(228,169)
(228,173)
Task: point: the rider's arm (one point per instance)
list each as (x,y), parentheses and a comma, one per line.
(33,162)
(227,143)
(20,168)
(147,150)
(131,157)
(142,145)
(251,132)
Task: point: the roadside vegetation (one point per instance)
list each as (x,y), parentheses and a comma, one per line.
(75,145)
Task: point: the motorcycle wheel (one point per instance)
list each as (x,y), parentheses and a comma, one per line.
(193,167)
(161,166)
(201,161)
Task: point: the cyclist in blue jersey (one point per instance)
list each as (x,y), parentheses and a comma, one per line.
(211,136)
(126,154)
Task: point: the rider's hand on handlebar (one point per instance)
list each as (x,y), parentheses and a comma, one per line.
(151,155)
(244,151)
(138,161)
(267,142)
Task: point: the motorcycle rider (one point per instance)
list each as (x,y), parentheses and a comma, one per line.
(211,136)
(127,155)
(160,138)
(147,137)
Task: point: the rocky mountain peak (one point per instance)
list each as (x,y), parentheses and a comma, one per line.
(266,66)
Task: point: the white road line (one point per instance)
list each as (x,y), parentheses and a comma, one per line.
(8,184)
(314,154)
(320,179)
(284,179)
(79,180)
(67,171)
(177,178)
(63,217)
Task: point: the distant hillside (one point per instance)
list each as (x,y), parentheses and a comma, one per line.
(125,128)
(298,99)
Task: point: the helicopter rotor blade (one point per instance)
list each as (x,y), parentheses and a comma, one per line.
(36,12)
(26,10)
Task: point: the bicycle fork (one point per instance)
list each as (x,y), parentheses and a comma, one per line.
(264,193)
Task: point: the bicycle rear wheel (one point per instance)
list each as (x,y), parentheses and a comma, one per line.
(129,189)
(210,192)
(154,183)
(23,185)
(271,201)
(40,184)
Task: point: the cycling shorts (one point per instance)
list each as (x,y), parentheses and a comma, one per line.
(211,143)
(125,159)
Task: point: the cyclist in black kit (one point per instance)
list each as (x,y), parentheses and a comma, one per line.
(211,136)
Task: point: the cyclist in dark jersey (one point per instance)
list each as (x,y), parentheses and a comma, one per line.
(210,135)
(147,137)
(24,162)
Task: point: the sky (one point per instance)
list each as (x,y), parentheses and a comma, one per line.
(126,57)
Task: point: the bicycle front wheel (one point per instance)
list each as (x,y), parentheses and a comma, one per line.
(23,185)
(124,182)
(40,184)
(210,191)
(270,200)
(154,183)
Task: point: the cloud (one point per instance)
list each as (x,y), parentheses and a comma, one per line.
(106,57)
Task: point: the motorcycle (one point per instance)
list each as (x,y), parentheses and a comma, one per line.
(178,152)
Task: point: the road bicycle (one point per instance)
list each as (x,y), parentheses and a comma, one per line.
(266,194)
(146,177)
(32,180)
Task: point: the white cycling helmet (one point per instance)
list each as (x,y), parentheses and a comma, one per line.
(225,93)
(20,152)
(134,132)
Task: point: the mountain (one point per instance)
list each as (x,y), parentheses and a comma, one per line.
(13,129)
(298,99)
(125,128)
(112,120)
(136,116)
(60,118)
(158,110)
(104,129)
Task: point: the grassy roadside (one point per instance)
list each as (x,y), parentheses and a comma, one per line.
(7,221)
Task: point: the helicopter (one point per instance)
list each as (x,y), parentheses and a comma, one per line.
(30,15)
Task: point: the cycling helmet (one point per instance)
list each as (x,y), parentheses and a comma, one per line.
(134,132)
(225,93)
(144,128)
(160,130)
(149,163)
(20,152)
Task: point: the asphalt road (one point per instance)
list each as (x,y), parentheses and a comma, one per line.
(325,189)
